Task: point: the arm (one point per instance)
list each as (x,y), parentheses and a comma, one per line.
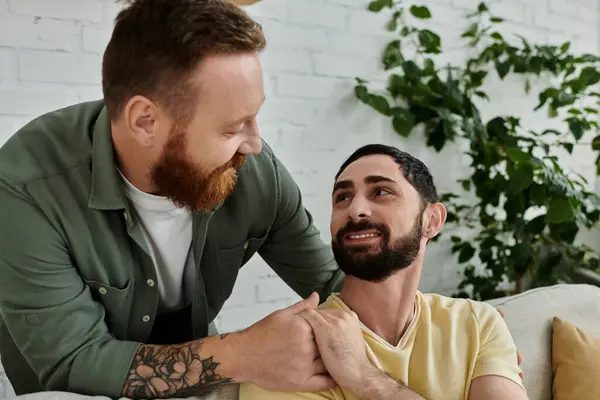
(377,385)
(294,249)
(184,370)
(60,329)
(497,375)
(492,387)
(277,352)
(47,308)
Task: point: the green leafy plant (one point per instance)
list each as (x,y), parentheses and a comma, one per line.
(521,210)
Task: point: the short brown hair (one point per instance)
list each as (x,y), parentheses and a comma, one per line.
(157,44)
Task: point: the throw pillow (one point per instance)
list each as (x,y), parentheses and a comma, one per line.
(575,365)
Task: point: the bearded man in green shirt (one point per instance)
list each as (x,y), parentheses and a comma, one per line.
(124,222)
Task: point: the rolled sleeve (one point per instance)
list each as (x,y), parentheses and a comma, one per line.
(48,310)
(294,248)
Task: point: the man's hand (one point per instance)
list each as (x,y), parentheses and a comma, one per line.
(343,350)
(519,359)
(279,352)
(341,345)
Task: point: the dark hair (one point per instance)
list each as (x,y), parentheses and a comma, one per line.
(157,44)
(413,169)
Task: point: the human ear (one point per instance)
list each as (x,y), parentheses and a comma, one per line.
(140,116)
(434,221)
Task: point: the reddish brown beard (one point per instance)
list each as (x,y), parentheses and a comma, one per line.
(186,184)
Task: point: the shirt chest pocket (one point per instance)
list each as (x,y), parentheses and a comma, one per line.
(117,302)
(229,262)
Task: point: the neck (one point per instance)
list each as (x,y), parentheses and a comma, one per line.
(386,308)
(132,161)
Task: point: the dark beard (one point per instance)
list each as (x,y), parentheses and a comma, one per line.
(185,184)
(377,267)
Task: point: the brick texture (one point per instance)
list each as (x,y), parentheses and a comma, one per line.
(50,56)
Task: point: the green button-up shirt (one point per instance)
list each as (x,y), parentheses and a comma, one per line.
(76,291)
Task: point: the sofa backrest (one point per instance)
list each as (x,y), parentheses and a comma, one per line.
(529,318)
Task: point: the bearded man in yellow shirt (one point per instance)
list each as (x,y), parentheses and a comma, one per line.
(381,338)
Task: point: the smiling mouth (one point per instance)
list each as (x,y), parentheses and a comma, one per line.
(362,237)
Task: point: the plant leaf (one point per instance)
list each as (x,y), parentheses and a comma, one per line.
(471,31)
(378,5)
(497,36)
(577,128)
(521,179)
(568,146)
(421,12)
(430,41)
(596,143)
(466,184)
(380,104)
(502,68)
(517,155)
(560,210)
(392,24)
(466,253)
(411,70)
(403,121)
(392,55)
(362,93)
(536,225)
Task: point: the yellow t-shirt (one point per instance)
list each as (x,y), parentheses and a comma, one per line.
(449,343)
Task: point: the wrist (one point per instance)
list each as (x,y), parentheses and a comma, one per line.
(235,364)
(367,382)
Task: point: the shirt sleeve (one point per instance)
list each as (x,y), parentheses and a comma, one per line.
(294,248)
(253,392)
(497,353)
(47,308)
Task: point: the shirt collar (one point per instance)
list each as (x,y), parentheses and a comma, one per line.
(106,192)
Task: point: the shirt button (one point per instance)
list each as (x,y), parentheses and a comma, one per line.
(146,318)
(246,246)
(150,282)
(126,216)
(102,290)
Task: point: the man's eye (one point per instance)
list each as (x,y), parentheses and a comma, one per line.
(236,132)
(342,197)
(382,192)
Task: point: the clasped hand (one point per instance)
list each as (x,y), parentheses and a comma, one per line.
(341,345)
(301,348)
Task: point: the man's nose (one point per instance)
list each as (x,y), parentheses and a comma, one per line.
(253,142)
(359,208)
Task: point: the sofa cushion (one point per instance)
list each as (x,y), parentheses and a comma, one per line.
(575,356)
(529,317)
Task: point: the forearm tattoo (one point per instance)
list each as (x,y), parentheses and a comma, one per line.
(172,371)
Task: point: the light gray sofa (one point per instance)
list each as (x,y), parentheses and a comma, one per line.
(529,317)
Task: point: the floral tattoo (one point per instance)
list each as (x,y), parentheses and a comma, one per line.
(171,371)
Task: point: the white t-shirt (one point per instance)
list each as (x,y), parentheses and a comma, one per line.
(168,232)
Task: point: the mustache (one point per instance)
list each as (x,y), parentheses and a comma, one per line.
(236,162)
(353,226)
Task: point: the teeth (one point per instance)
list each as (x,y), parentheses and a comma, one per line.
(365,235)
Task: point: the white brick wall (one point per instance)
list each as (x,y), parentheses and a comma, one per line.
(316,48)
